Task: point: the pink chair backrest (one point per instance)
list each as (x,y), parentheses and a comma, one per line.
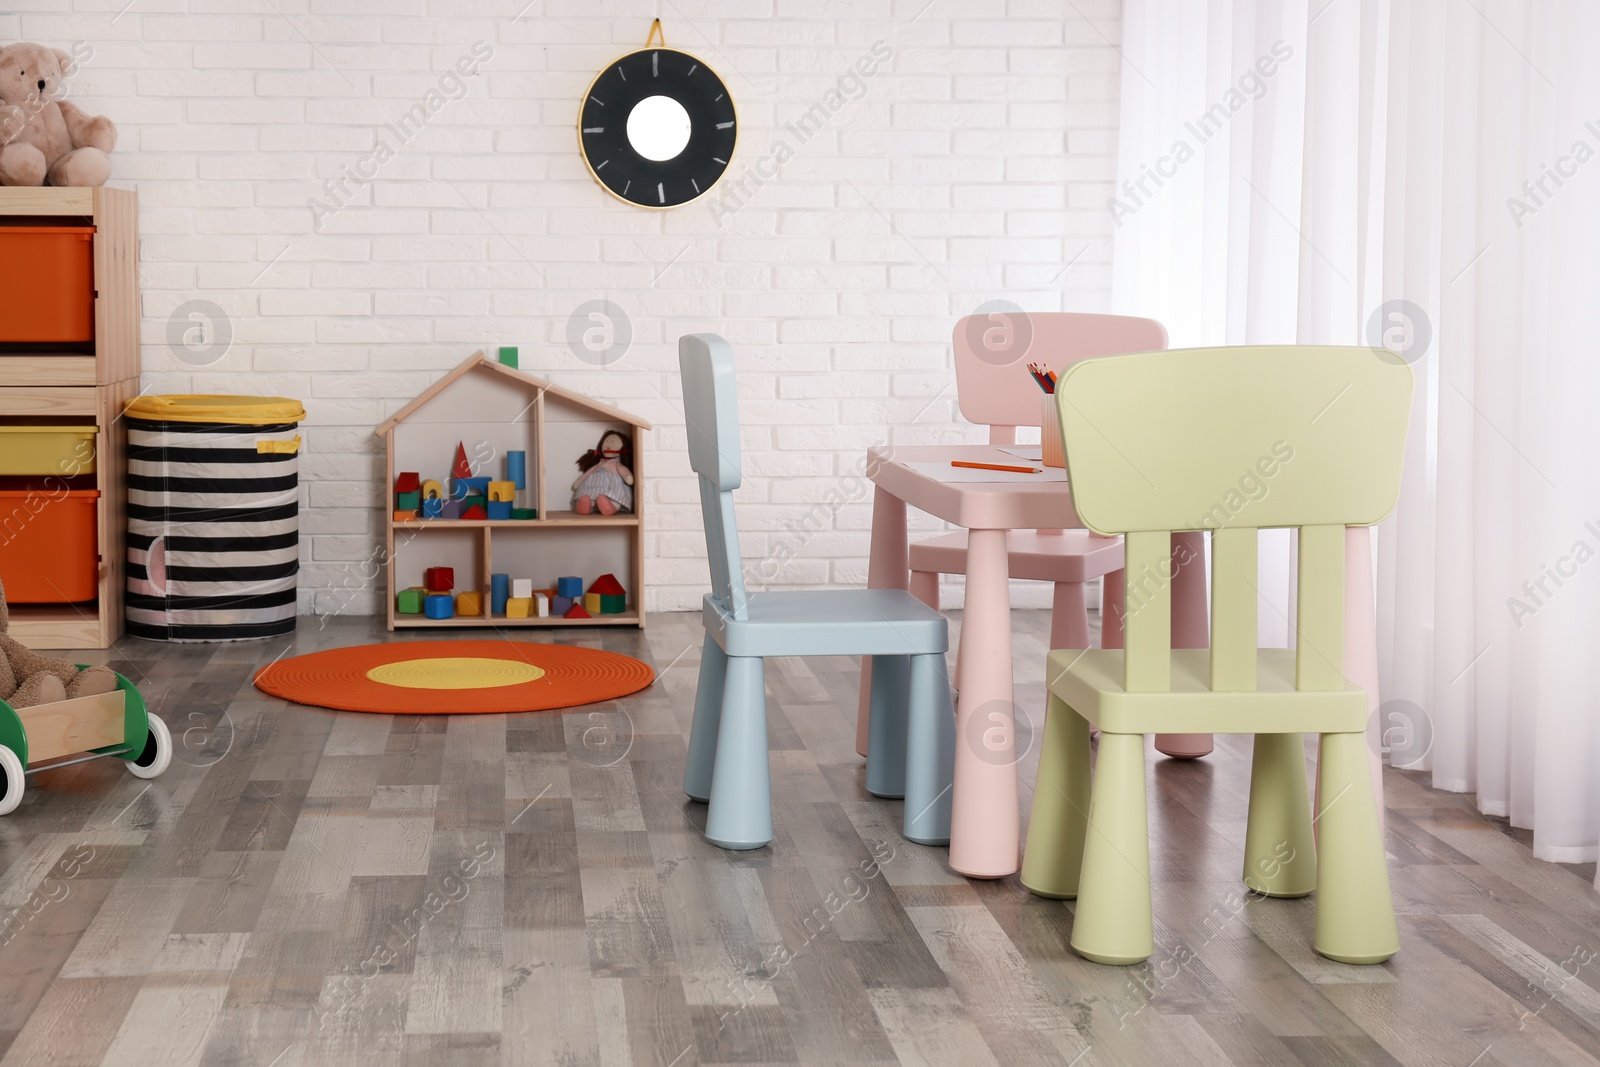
(993,386)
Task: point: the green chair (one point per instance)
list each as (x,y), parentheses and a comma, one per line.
(1230,441)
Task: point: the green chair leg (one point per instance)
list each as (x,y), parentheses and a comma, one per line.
(1112,921)
(1060,818)
(1355,910)
(1280,858)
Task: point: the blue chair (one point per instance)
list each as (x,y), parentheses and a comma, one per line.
(912,750)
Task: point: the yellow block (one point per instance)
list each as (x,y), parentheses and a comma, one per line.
(519,607)
(591,603)
(502,490)
(432,490)
(469,602)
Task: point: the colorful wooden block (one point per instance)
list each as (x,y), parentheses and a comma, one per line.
(409,601)
(613,605)
(408,482)
(607,585)
(591,603)
(577,611)
(497,509)
(408,501)
(560,605)
(524,513)
(404,516)
(438,606)
(476,511)
(517,468)
(508,356)
(506,491)
(432,507)
(569,587)
(469,602)
(439,579)
(432,489)
(519,607)
(541,605)
(522,587)
(499,592)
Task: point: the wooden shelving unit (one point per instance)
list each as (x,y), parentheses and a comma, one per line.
(491,408)
(91,382)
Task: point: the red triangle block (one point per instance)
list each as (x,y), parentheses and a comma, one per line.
(475,512)
(461,468)
(607,585)
(577,612)
(408,482)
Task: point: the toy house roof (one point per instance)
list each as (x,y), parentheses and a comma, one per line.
(480,360)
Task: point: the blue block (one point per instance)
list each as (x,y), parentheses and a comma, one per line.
(572,588)
(498,509)
(517,469)
(461,488)
(499,592)
(439,606)
(559,605)
(432,508)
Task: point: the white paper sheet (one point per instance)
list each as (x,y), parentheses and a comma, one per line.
(945,473)
(1023,451)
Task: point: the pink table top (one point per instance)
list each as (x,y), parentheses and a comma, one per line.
(1007,505)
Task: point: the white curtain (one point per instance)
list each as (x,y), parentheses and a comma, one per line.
(1292,172)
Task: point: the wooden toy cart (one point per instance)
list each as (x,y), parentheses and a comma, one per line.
(42,737)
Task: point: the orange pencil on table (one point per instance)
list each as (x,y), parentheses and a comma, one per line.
(994,467)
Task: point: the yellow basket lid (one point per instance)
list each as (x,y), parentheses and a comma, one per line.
(240,410)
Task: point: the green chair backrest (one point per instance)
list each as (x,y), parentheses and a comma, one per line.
(1234,440)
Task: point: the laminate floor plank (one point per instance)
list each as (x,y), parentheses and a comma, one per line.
(306,887)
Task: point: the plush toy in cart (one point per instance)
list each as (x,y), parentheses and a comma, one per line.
(51,709)
(606,484)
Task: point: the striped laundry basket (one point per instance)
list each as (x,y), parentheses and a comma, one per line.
(213,517)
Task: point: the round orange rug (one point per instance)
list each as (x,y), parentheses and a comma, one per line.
(454,677)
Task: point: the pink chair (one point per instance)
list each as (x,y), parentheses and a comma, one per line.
(994,389)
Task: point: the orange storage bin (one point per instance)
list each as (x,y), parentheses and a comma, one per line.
(48,543)
(49,290)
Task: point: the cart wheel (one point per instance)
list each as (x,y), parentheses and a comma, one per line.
(157,751)
(11,781)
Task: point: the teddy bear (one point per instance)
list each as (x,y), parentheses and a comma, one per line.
(42,137)
(27,678)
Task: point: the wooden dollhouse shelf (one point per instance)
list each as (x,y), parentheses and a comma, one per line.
(491,409)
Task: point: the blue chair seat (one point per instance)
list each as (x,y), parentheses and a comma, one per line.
(829,622)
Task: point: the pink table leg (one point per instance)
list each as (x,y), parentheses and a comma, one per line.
(1190,628)
(1361,642)
(889,567)
(985,837)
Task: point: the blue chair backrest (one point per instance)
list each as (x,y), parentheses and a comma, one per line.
(711,407)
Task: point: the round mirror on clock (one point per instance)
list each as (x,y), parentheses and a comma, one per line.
(657,128)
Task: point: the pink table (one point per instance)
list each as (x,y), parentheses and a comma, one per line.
(985,839)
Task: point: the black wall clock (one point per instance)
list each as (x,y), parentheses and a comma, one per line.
(657,128)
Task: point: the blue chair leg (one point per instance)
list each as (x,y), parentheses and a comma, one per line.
(930,752)
(886,730)
(741,783)
(707,717)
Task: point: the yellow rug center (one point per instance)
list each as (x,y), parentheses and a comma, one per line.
(455,672)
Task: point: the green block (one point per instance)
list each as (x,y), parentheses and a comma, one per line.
(613,605)
(408,501)
(409,601)
(508,355)
(524,513)
(475,502)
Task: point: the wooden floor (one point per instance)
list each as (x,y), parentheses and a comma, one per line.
(314,887)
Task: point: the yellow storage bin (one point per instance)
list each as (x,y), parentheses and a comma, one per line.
(63,450)
(228,410)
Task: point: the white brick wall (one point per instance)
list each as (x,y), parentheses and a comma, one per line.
(973,167)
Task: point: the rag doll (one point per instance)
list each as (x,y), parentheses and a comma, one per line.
(27,678)
(606,484)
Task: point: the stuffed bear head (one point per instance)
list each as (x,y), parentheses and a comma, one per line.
(32,73)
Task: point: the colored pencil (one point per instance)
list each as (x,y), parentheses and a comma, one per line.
(994,467)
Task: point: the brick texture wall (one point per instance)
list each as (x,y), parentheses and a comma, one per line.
(972,164)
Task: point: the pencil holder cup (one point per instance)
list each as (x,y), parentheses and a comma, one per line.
(1051,454)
